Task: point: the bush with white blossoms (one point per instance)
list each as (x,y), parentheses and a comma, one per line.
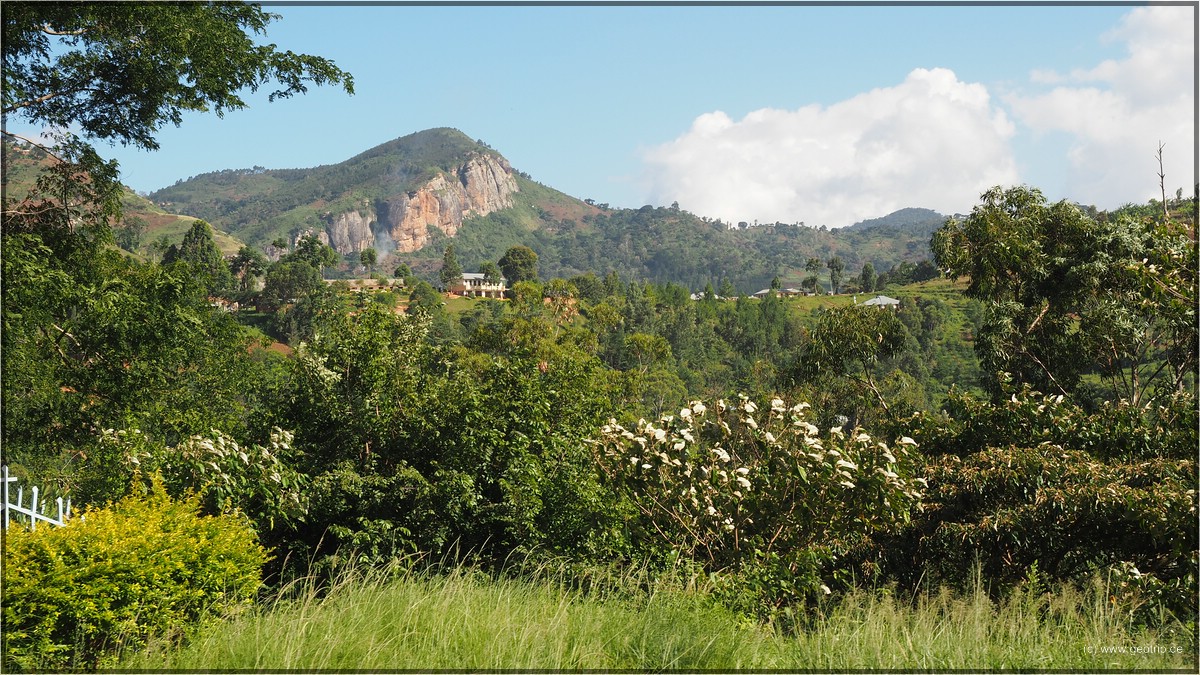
(255,480)
(733,482)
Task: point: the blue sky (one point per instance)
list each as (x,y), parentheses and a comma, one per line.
(792,113)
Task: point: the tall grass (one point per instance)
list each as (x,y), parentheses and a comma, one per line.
(465,620)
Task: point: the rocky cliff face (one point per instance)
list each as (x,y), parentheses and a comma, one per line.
(401,222)
(347,232)
(482,185)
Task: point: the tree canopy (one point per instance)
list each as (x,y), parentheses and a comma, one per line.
(519,263)
(1067,293)
(313,252)
(120,71)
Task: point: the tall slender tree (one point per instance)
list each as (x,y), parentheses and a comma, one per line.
(867,278)
(451,270)
(200,250)
(836,267)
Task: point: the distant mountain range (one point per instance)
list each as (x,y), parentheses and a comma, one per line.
(409,197)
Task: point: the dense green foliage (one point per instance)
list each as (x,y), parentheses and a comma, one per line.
(147,567)
(93,341)
(479,429)
(1037,483)
(665,245)
(1036,423)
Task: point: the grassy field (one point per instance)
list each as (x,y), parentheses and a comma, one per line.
(467,621)
(949,292)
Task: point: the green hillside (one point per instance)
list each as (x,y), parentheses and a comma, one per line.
(260,204)
(23,165)
(570,236)
(671,245)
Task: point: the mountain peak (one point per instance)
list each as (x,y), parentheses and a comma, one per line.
(438,144)
(389,196)
(909,217)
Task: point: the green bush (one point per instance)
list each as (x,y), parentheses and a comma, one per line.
(254,480)
(762,496)
(150,566)
(1163,428)
(1036,480)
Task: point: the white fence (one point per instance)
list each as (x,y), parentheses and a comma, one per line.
(35,511)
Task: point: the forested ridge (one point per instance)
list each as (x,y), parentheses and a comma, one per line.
(658,244)
(571,235)
(1024,420)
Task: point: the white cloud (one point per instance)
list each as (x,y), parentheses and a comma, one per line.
(931,141)
(1118,111)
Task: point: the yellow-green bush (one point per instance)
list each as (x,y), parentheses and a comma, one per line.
(146,566)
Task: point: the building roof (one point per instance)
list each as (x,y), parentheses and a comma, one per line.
(882,300)
(476,276)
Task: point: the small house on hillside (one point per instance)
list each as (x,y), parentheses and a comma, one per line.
(475,285)
(883,301)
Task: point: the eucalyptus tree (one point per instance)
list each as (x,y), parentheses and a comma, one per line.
(847,343)
(868,277)
(836,267)
(451,271)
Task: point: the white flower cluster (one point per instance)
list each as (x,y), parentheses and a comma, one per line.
(315,364)
(680,469)
(707,474)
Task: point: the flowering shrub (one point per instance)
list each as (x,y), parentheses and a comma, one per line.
(732,484)
(228,477)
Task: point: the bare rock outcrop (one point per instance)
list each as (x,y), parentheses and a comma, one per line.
(349,232)
(484,184)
